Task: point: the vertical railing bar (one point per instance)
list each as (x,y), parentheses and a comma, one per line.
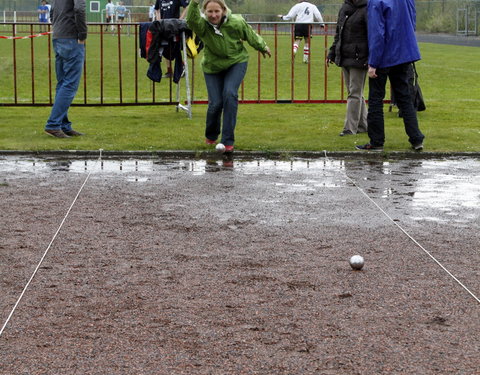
(170,87)
(292,79)
(259,68)
(153,91)
(136,61)
(242,91)
(32,59)
(342,85)
(49,48)
(310,28)
(85,76)
(102,37)
(15,88)
(325,53)
(120,62)
(192,79)
(275,62)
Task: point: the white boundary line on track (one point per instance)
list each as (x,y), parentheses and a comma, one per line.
(408,235)
(48,248)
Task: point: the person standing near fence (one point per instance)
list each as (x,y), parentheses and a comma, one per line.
(224,63)
(392,48)
(49,7)
(69,34)
(151,12)
(43,14)
(109,13)
(350,51)
(120,10)
(303,14)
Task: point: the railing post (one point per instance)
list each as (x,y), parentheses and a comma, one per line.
(32,62)
(14,46)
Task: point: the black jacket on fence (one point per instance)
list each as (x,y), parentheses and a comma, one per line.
(162,39)
(350,46)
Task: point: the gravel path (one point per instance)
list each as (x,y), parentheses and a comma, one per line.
(205,267)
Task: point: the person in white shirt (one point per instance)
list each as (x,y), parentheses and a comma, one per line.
(303,14)
(110,12)
(49,6)
(151,13)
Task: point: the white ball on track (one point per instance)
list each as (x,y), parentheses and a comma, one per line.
(357,262)
(220,147)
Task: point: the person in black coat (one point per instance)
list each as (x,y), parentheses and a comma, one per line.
(350,51)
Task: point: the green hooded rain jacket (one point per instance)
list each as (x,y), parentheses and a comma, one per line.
(223,46)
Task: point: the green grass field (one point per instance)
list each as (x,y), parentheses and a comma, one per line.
(448,77)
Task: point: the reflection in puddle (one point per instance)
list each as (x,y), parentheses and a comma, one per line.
(434,190)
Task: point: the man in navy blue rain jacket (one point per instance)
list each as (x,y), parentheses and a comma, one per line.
(392,48)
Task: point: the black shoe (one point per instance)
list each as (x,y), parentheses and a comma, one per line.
(369,147)
(56,133)
(345,132)
(418,146)
(73,133)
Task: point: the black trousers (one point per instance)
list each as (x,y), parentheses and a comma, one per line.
(398,76)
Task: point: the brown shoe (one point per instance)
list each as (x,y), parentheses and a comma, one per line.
(73,133)
(56,133)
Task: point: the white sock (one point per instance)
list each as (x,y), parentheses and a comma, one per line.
(306,52)
(295,48)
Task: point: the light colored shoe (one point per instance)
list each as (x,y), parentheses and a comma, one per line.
(418,147)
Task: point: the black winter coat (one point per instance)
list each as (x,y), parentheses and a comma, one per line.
(350,46)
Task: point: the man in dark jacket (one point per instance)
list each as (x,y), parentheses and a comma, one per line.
(69,34)
(392,48)
(350,51)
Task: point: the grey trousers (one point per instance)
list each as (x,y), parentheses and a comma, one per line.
(356,117)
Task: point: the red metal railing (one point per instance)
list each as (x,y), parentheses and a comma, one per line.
(114,74)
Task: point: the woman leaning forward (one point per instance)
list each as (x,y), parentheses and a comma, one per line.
(224,63)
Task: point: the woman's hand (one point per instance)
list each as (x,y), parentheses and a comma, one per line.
(267,52)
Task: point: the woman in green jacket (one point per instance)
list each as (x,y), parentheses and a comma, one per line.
(224,63)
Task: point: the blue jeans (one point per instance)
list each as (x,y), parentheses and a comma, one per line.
(69,57)
(398,76)
(223,97)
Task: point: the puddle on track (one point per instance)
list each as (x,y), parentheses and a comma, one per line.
(441,190)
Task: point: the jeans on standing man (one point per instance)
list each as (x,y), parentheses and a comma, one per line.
(69,57)
(69,34)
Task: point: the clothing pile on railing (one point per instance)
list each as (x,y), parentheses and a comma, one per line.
(163,39)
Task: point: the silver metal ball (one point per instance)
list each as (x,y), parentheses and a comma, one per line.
(357,262)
